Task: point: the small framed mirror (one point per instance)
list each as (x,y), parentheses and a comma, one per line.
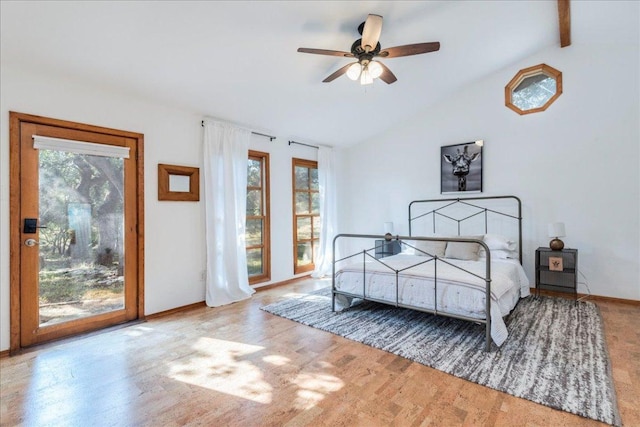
(533,89)
(178,183)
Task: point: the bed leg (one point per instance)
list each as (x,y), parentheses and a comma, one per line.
(487,346)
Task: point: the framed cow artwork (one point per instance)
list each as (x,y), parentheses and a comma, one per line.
(461,168)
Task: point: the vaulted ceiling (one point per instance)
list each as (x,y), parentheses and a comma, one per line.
(237,60)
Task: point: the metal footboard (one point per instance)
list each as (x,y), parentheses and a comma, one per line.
(366,255)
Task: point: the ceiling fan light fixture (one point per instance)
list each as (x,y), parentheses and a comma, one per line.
(365,77)
(375,69)
(354,71)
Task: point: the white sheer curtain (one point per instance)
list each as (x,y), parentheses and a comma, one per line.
(327,187)
(226,149)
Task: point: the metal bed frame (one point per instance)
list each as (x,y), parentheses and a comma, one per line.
(435,213)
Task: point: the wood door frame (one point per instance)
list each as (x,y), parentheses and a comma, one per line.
(15,121)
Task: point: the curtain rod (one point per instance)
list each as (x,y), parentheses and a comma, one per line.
(306,145)
(271,137)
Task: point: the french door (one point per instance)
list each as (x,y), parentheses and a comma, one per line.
(76,241)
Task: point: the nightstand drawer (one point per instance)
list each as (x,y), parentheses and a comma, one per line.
(558,278)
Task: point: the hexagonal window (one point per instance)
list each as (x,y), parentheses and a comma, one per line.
(533,89)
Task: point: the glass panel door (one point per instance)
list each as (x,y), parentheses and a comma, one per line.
(81,239)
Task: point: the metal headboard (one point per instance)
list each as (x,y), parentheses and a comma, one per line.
(479,210)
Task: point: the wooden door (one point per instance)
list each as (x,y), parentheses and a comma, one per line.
(76,221)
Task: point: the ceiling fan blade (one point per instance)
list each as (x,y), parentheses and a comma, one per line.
(337,74)
(371,32)
(387,76)
(409,49)
(325,52)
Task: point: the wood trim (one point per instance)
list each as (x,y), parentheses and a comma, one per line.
(202,304)
(528,72)
(282,283)
(164,191)
(15,121)
(564,20)
(176,310)
(591,297)
(140,224)
(14,232)
(4,353)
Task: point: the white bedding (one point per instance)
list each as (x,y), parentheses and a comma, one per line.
(458,292)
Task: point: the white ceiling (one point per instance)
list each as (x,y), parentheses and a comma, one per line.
(237,60)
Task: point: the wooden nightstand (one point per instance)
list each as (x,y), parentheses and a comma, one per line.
(386,248)
(557,270)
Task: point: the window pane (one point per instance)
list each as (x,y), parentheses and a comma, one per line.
(257,221)
(254,173)
(304,253)
(534,92)
(254,232)
(254,202)
(317,227)
(305,207)
(254,262)
(302,178)
(302,203)
(304,228)
(82,251)
(315,203)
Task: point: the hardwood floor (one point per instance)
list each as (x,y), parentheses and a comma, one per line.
(239,366)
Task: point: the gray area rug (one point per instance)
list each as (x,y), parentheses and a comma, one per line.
(555,354)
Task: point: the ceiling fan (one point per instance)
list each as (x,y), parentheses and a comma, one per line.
(366,49)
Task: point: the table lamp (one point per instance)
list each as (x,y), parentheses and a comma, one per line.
(388,230)
(556,230)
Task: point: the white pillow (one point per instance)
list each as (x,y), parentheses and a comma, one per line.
(463,250)
(499,254)
(406,247)
(495,241)
(431,247)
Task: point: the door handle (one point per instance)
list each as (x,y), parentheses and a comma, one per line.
(31,242)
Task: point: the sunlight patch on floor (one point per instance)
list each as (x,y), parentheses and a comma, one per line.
(221,366)
(276,360)
(233,368)
(137,331)
(314,387)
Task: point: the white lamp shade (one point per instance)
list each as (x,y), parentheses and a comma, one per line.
(388,227)
(365,77)
(375,69)
(353,72)
(556,229)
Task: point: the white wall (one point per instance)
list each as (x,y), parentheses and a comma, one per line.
(174,231)
(577,162)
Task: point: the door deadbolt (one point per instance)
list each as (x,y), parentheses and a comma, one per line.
(31,226)
(30,242)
